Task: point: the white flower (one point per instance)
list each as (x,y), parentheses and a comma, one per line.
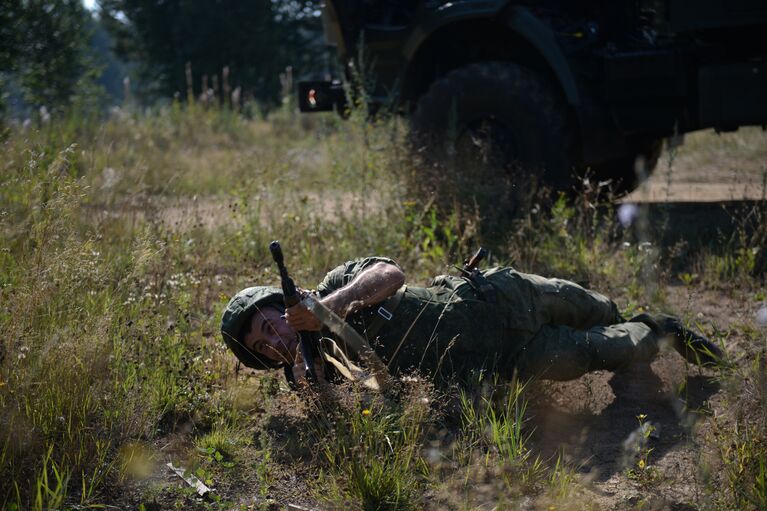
(627,213)
(761,316)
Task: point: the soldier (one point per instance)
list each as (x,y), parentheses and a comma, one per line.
(501,320)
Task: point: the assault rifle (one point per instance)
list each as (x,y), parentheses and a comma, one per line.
(307,340)
(473,275)
(471,265)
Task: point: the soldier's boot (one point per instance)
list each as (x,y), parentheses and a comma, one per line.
(694,347)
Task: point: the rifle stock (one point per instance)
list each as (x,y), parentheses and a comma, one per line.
(472,264)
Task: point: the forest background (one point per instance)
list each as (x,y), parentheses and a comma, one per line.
(59,55)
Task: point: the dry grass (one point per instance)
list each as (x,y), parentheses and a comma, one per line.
(122,240)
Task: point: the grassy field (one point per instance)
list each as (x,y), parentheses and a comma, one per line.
(123,239)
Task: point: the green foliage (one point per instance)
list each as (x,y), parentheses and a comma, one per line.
(561,479)
(254,40)
(51,485)
(742,258)
(643,472)
(45,408)
(127,298)
(218,446)
(740,437)
(493,424)
(373,450)
(47,51)
(437,239)
(72,293)
(571,238)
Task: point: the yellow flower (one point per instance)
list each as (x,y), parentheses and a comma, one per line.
(641,416)
(641,464)
(365,412)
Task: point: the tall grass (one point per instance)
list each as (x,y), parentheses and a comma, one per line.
(121,241)
(372,448)
(737,471)
(112,282)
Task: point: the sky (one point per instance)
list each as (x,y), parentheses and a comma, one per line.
(90,4)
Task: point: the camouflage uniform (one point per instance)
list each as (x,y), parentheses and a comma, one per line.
(548,328)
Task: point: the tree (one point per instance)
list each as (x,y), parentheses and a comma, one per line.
(10,34)
(254,39)
(44,47)
(10,43)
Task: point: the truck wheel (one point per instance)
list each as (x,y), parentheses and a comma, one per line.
(494,117)
(630,171)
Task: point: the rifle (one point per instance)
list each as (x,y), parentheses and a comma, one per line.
(471,265)
(474,277)
(307,340)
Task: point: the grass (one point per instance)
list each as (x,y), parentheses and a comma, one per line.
(492,426)
(373,448)
(739,438)
(122,240)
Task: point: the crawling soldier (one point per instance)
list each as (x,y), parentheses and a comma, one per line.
(540,327)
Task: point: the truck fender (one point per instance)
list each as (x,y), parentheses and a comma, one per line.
(450,12)
(541,37)
(519,19)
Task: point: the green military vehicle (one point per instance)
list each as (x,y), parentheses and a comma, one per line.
(558,86)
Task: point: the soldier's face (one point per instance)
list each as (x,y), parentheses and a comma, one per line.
(271,336)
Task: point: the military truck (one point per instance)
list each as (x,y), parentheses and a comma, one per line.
(559,86)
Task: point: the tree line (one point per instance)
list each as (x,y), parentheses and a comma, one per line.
(56,54)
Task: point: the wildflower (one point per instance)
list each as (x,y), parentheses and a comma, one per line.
(45,115)
(641,464)
(366,412)
(627,213)
(761,316)
(641,416)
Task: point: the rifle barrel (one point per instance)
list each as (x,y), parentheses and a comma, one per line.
(290,295)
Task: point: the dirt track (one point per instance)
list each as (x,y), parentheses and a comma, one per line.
(710,168)
(707,169)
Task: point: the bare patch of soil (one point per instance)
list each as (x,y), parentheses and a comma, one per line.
(595,420)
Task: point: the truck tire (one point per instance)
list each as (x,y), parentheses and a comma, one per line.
(498,114)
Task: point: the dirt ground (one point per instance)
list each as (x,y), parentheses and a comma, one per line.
(594,419)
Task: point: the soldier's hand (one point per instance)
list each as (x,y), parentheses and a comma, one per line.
(300,319)
(299,373)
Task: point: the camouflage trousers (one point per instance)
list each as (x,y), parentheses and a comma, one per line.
(575,331)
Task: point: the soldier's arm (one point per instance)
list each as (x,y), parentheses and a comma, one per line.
(373,285)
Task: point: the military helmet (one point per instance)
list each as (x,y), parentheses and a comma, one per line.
(236,321)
